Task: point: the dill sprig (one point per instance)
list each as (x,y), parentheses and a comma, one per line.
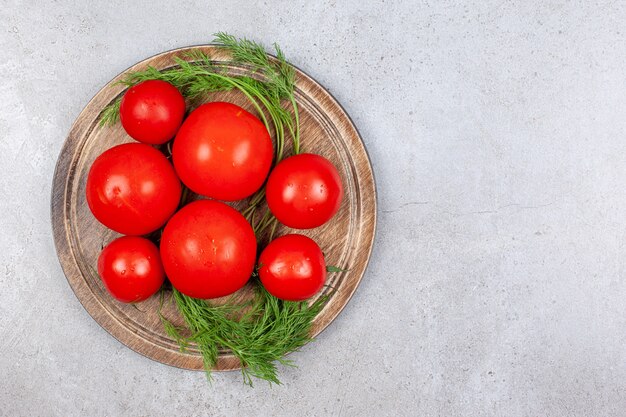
(111,113)
(195,74)
(262,331)
(259,333)
(280,75)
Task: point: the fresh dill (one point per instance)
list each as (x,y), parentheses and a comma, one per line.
(259,333)
(111,113)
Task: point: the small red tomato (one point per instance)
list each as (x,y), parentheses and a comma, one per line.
(132,189)
(292,267)
(304,191)
(208,249)
(130,268)
(222,151)
(152,111)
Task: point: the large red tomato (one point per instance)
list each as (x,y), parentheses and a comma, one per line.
(208,249)
(130,268)
(132,189)
(152,111)
(292,267)
(304,191)
(222,151)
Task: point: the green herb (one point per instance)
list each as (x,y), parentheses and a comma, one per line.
(260,332)
(111,113)
(197,74)
(172,330)
(332,268)
(281,77)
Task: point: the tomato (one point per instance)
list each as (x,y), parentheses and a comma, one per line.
(130,268)
(304,191)
(132,189)
(222,151)
(292,267)
(152,111)
(208,249)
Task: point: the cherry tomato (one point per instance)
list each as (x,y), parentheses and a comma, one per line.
(130,268)
(304,191)
(152,111)
(222,151)
(292,267)
(208,249)
(132,189)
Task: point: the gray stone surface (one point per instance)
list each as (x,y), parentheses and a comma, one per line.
(497,131)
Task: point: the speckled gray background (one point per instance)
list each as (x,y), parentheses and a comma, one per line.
(497,132)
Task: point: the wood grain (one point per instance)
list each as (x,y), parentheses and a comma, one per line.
(346,240)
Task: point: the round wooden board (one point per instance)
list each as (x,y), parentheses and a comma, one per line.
(346,240)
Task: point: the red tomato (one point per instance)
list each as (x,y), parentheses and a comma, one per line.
(132,189)
(130,268)
(208,249)
(292,267)
(304,191)
(152,111)
(222,151)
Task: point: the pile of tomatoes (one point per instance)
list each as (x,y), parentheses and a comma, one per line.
(207,249)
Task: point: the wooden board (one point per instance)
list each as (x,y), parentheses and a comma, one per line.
(346,240)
